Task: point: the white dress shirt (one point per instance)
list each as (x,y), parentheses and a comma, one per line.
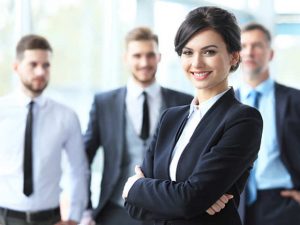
(134,104)
(55,128)
(197,111)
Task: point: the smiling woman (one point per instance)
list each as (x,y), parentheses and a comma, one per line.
(203,151)
(207,63)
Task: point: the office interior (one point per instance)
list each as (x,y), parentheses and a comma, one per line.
(87,37)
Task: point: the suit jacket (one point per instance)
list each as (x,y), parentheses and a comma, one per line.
(106,128)
(287,106)
(216,161)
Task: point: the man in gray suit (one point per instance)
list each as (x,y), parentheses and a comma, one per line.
(123,121)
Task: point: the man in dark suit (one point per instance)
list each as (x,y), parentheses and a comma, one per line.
(272,193)
(120,123)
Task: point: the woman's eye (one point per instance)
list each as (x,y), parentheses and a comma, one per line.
(209,52)
(186,52)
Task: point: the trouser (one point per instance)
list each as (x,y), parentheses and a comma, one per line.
(271,208)
(113,214)
(13,217)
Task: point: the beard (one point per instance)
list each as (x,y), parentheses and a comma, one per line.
(146,79)
(35,90)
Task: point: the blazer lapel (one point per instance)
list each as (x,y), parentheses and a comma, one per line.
(165,100)
(168,99)
(204,132)
(281,100)
(175,131)
(215,114)
(119,122)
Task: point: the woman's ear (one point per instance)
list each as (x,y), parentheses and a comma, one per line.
(235,61)
(235,58)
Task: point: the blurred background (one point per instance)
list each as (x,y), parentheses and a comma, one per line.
(88,41)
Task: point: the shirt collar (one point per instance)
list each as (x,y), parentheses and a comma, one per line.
(24,100)
(204,106)
(134,90)
(263,88)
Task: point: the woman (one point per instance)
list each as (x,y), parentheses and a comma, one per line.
(202,151)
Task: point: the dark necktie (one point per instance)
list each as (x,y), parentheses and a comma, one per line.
(28,182)
(255,97)
(251,196)
(146,123)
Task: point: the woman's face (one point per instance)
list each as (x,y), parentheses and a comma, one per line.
(206,62)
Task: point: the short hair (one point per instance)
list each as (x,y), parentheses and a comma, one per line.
(31,42)
(220,20)
(141,34)
(258,26)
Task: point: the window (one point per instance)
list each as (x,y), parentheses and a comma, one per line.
(6,45)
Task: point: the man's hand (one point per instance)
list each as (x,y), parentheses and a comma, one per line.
(219,204)
(294,194)
(67,222)
(87,218)
(131,180)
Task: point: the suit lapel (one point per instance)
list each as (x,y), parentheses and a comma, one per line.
(180,122)
(165,99)
(119,121)
(281,100)
(204,132)
(214,116)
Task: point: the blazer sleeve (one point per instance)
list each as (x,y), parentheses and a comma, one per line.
(215,173)
(92,136)
(92,142)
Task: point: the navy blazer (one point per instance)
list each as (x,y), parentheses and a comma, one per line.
(106,128)
(287,102)
(217,160)
(287,106)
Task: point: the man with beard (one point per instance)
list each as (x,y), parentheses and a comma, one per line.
(122,121)
(272,192)
(34,132)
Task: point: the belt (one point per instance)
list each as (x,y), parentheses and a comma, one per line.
(29,217)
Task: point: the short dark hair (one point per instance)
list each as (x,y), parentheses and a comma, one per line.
(31,42)
(141,34)
(220,20)
(258,26)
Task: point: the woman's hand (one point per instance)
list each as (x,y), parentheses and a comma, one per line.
(219,204)
(131,180)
